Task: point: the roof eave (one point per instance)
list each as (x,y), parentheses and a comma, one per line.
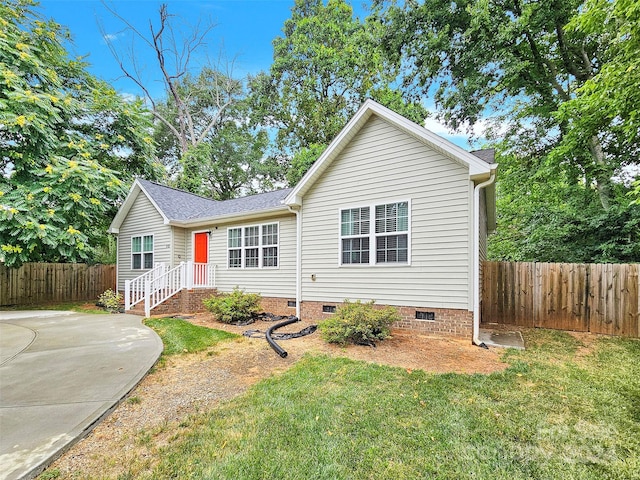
(201,222)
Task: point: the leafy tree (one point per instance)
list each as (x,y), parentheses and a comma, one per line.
(557,81)
(303,160)
(228,157)
(227,165)
(62,135)
(325,65)
(518,59)
(548,217)
(201,123)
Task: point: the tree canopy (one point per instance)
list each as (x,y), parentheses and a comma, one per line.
(325,65)
(556,82)
(68,144)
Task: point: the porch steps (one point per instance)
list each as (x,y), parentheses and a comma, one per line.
(183,301)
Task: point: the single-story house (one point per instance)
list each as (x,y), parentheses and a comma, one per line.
(390,212)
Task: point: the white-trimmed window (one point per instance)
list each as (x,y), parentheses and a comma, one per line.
(386,243)
(354,232)
(142,252)
(234,245)
(254,246)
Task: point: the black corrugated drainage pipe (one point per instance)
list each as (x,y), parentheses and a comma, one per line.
(277,348)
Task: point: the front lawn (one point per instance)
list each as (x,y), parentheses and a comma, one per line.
(180,336)
(562,410)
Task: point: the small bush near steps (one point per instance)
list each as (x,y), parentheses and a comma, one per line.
(234,307)
(359,323)
(110,300)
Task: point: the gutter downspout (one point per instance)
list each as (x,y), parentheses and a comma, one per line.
(298,211)
(476,258)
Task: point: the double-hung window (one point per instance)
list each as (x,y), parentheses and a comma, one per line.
(142,252)
(254,246)
(373,235)
(392,232)
(354,230)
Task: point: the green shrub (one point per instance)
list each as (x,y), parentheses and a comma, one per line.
(234,307)
(110,300)
(359,323)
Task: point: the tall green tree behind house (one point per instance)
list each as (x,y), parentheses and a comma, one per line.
(227,157)
(542,75)
(68,144)
(326,63)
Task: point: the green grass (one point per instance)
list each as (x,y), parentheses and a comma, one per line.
(80,307)
(180,336)
(555,413)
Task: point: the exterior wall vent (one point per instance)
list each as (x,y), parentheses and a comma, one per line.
(425,315)
(291,303)
(328,309)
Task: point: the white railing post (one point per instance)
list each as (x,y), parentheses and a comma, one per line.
(147,298)
(183,275)
(127,295)
(189,278)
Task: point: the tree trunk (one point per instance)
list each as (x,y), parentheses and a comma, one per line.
(603,177)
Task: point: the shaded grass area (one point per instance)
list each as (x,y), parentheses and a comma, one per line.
(180,336)
(80,307)
(560,411)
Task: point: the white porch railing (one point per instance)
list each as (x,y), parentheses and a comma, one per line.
(134,289)
(157,285)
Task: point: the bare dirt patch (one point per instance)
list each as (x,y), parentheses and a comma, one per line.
(193,383)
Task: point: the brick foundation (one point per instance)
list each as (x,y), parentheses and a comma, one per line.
(185,301)
(278,306)
(449,322)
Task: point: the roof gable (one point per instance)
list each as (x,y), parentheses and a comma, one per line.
(480,167)
(178,207)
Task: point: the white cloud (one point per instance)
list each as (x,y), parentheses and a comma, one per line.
(111,37)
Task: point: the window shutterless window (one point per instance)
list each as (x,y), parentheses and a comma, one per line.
(389,235)
(142,252)
(254,246)
(354,231)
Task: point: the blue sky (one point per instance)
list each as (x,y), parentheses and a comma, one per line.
(244,30)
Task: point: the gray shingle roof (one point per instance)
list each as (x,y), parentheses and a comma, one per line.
(487,155)
(184,206)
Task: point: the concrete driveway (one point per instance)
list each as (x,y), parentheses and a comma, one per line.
(60,374)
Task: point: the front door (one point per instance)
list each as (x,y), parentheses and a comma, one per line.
(200,257)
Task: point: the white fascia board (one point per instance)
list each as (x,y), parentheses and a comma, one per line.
(202,222)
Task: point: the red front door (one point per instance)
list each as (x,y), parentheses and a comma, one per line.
(200,256)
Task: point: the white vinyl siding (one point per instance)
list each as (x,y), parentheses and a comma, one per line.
(142,220)
(268,281)
(383,163)
(179,246)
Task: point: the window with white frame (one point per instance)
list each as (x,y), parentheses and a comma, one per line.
(234,245)
(389,235)
(254,246)
(354,230)
(142,252)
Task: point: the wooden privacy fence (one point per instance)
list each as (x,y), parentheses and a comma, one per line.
(598,298)
(35,283)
